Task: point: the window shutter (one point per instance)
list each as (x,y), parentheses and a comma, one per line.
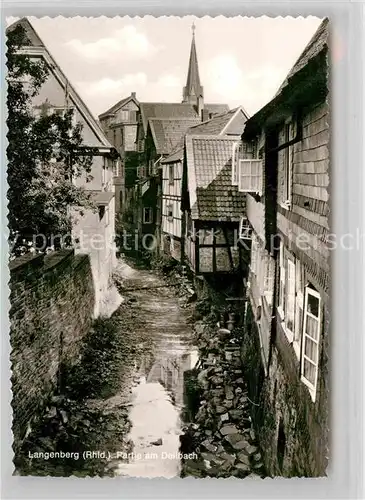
(235,163)
(290,296)
(311,337)
(250,176)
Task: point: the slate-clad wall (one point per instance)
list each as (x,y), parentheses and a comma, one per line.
(308,217)
(52,302)
(291,428)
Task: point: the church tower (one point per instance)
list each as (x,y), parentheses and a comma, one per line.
(193,91)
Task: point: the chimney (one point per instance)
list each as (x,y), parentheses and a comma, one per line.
(204,115)
(133,94)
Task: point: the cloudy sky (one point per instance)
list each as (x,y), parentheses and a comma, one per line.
(241,60)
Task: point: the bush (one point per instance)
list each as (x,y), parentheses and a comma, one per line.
(97,372)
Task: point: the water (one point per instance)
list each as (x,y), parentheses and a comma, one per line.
(158,396)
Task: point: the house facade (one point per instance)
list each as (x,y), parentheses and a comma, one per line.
(212,207)
(161,128)
(93,232)
(285,176)
(230,124)
(119,124)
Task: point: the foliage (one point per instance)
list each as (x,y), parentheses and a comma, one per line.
(45,153)
(97,372)
(132,160)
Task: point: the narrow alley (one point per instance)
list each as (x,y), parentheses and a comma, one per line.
(157,397)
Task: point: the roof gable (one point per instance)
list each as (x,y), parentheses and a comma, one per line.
(38,49)
(209,164)
(120,104)
(316,44)
(231,123)
(168,134)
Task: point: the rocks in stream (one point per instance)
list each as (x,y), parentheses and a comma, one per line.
(222,435)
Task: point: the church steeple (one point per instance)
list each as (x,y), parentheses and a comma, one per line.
(193,91)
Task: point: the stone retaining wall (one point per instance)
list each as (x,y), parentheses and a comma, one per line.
(52,302)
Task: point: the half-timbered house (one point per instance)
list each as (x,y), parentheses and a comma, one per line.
(120,127)
(56,95)
(285,176)
(212,206)
(229,124)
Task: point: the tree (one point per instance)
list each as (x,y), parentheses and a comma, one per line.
(45,154)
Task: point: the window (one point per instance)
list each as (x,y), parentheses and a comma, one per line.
(170,212)
(289,311)
(150,167)
(282,280)
(107,218)
(124,115)
(245,230)
(269,280)
(141,172)
(103,172)
(287,167)
(311,334)
(171,174)
(235,164)
(250,176)
(140,146)
(147,215)
(117,170)
(287,292)
(299,304)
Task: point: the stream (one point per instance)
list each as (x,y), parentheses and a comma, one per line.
(157,396)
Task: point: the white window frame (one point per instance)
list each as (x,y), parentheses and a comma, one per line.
(124,115)
(286,200)
(170,208)
(299,310)
(171,174)
(312,387)
(103,171)
(244,230)
(290,265)
(281,305)
(269,279)
(235,164)
(253,187)
(150,211)
(107,216)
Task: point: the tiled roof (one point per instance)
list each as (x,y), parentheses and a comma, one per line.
(38,48)
(102,197)
(168,134)
(175,156)
(216,109)
(209,163)
(165,110)
(175,110)
(116,106)
(314,47)
(217,124)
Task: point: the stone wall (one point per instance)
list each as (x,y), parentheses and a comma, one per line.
(292,430)
(52,302)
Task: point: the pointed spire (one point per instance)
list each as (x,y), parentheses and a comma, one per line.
(193,89)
